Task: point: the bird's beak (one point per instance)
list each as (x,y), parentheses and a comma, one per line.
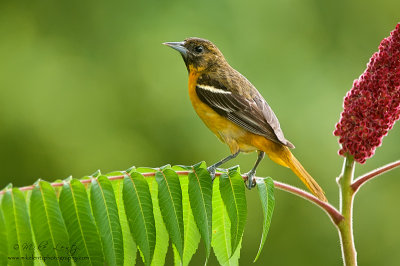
(179,46)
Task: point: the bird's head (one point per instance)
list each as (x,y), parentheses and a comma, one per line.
(198,54)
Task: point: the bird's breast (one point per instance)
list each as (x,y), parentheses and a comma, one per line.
(206,113)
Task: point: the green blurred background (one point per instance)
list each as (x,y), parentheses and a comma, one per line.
(87,85)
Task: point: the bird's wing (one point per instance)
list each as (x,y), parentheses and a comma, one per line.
(249,111)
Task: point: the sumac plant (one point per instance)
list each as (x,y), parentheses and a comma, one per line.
(109,219)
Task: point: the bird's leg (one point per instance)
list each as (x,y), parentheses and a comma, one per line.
(211,169)
(252,172)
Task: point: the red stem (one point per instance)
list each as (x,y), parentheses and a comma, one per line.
(328,208)
(374,173)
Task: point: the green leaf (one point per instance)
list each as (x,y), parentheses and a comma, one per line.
(39,262)
(234,260)
(3,237)
(200,195)
(105,212)
(85,245)
(8,186)
(170,200)
(139,212)
(96,174)
(167,166)
(192,234)
(181,168)
(201,164)
(265,189)
(130,169)
(146,170)
(234,197)
(221,238)
(130,249)
(17,224)
(162,242)
(115,173)
(48,224)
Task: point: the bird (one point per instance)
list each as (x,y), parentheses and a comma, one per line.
(235,111)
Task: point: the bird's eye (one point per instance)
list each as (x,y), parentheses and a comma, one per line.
(198,49)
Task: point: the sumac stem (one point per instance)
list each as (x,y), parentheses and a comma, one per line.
(345,227)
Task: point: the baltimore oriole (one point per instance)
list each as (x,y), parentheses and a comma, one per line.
(233,109)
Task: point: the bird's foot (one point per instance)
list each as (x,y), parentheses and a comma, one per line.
(250,179)
(211,169)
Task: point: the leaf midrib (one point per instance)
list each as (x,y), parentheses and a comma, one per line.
(203,201)
(79,221)
(16,223)
(237,213)
(48,219)
(141,210)
(173,204)
(108,217)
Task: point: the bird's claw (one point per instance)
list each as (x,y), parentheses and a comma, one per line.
(250,180)
(211,170)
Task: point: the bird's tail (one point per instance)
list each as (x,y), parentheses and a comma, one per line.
(282,155)
(304,176)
